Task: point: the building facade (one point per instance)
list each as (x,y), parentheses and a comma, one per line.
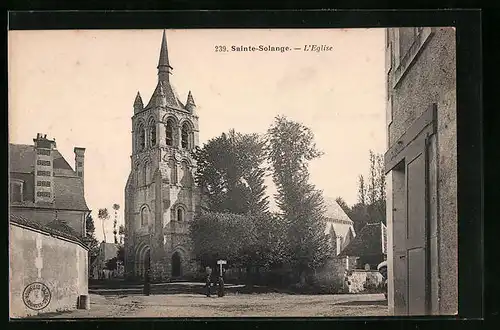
(338,225)
(421,164)
(161,196)
(44,187)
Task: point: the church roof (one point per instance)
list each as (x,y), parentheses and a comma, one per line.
(164,90)
(68,186)
(335,213)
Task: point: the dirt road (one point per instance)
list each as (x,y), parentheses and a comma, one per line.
(238,305)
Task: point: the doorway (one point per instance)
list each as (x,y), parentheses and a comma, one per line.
(176,265)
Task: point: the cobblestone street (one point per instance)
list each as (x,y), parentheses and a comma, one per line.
(238,305)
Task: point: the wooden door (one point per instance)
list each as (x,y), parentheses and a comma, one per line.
(410,226)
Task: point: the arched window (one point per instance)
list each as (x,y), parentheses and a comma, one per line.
(144,216)
(185,136)
(141,143)
(170,133)
(152,133)
(180,214)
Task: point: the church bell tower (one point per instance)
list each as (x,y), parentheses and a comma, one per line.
(161,196)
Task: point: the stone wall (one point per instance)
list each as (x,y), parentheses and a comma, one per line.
(59,263)
(430,79)
(364,281)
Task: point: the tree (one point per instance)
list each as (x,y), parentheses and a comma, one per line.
(121,232)
(361,190)
(290,147)
(103,215)
(89,225)
(116,207)
(372,186)
(230,170)
(92,241)
(372,208)
(120,254)
(343,205)
(111,264)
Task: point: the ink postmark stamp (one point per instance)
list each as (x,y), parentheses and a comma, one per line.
(36,296)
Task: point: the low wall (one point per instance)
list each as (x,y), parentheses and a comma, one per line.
(58,263)
(362,281)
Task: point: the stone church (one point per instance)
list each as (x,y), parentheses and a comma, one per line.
(161,196)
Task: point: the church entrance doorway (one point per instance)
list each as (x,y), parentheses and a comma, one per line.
(176,264)
(147,263)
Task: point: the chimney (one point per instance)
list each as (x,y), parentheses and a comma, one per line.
(79,162)
(44,169)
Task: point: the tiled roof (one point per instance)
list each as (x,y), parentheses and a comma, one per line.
(335,213)
(62,226)
(68,186)
(367,242)
(53,229)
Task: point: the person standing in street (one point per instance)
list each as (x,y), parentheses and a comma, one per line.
(208,281)
(147,285)
(220,291)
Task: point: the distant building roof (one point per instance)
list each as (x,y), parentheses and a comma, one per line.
(367,242)
(68,186)
(335,213)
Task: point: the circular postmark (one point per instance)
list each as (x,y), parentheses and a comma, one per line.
(36,296)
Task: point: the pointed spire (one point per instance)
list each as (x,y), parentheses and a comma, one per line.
(138,105)
(190,105)
(164,68)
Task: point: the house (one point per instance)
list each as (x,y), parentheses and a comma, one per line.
(48,253)
(421,168)
(44,187)
(338,225)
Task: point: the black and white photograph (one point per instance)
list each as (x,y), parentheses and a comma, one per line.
(191,173)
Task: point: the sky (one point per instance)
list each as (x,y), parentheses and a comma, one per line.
(79,86)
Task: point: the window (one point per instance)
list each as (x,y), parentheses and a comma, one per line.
(16,192)
(152,133)
(43,162)
(80,164)
(185,136)
(43,173)
(80,174)
(170,133)
(43,194)
(43,183)
(180,215)
(141,143)
(44,152)
(144,216)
